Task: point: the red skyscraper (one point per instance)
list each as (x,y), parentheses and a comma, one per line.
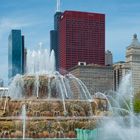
(81,39)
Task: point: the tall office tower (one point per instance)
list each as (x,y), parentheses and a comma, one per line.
(23,54)
(81,39)
(54,37)
(15,53)
(108,58)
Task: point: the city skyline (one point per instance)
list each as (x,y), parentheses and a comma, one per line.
(35,19)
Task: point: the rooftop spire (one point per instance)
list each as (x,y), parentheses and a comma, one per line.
(135,41)
(58,6)
(135,36)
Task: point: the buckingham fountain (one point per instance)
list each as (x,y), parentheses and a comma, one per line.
(45,104)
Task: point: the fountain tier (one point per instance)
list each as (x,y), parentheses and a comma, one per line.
(53,106)
(46,118)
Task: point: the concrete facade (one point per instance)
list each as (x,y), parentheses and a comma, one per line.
(132,63)
(133,59)
(97,78)
(120,70)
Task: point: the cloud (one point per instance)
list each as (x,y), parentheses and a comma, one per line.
(117,39)
(28,24)
(6,24)
(119,33)
(4,72)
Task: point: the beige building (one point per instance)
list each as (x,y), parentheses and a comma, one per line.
(97,78)
(133,59)
(132,63)
(120,70)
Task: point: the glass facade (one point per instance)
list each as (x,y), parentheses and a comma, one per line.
(56,20)
(54,44)
(54,38)
(15,53)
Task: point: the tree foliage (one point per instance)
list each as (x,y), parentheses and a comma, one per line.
(137,105)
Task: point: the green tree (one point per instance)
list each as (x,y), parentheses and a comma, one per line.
(137,105)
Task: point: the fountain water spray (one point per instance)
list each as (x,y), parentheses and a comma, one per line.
(49,87)
(37,85)
(66,98)
(24,120)
(121,125)
(40,61)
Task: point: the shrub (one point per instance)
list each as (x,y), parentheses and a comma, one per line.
(137,105)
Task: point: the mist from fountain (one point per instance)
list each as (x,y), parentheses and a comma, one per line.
(24,120)
(37,85)
(40,61)
(123,124)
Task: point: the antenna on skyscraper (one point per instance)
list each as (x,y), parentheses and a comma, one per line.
(58,6)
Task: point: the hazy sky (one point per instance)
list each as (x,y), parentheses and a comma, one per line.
(35,19)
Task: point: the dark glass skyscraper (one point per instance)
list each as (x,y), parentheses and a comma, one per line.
(15,53)
(54,37)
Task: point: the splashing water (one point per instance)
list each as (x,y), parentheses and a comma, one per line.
(123,124)
(120,124)
(41,61)
(24,120)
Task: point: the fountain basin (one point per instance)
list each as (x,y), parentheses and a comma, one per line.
(46,118)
